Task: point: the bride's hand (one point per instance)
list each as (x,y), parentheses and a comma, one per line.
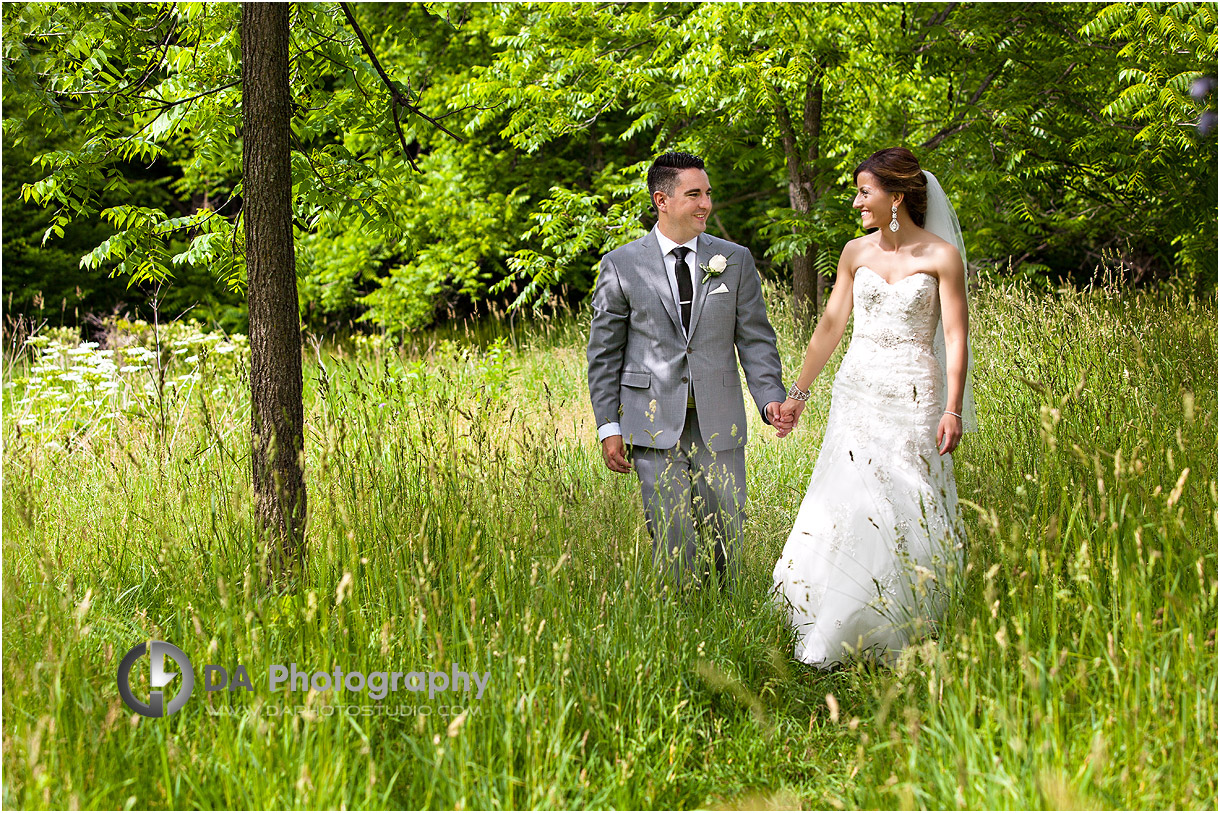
(791,409)
(948,433)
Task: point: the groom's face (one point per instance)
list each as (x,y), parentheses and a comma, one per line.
(684,214)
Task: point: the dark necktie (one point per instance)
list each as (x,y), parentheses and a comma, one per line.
(686,291)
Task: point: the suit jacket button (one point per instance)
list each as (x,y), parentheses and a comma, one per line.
(684,379)
(689,351)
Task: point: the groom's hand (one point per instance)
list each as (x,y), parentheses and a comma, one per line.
(614,452)
(780,421)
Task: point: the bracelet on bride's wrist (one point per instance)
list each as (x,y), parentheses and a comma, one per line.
(798,394)
(951,412)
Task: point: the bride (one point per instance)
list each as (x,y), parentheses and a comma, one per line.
(865,569)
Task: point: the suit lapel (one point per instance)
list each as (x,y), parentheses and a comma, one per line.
(653,270)
(702,257)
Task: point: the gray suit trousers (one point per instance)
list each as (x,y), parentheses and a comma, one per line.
(694,502)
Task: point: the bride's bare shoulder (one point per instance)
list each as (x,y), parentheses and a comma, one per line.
(940,251)
(934,244)
(855,248)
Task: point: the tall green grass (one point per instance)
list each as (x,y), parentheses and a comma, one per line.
(460,513)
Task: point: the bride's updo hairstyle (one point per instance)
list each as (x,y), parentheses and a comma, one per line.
(898,171)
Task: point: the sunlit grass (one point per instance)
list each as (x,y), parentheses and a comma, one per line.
(460,513)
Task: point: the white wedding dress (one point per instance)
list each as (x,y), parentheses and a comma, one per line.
(877,538)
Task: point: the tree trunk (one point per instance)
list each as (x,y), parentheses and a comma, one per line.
(813,142)
(808,287)
(804,292)
(804,288)
(823,285)
(277,415)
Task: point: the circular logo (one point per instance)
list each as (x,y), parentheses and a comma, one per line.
(158,677)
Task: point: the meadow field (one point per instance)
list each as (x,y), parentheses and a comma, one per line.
(460,513)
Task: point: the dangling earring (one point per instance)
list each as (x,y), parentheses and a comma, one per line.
(894,217)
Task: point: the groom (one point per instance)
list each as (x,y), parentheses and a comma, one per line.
(668,311)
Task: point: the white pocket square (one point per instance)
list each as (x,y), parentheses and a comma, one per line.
(723,289)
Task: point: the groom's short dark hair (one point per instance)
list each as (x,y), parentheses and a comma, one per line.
(664,172)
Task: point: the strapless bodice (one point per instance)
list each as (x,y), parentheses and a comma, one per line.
(905,312)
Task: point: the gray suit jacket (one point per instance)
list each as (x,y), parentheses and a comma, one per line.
(641,362)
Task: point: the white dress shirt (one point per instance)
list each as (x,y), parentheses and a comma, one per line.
(612,428)
(671,263)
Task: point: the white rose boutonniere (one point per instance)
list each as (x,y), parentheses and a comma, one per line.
(715,267)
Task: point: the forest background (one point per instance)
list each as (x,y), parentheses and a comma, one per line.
(1067,136)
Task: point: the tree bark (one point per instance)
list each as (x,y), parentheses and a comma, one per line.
(277,414)
(813,142)
(808,287)
(804,291)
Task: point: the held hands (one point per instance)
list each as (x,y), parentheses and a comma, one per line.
(948,433)
(791,410)
(783,419)
(614,452)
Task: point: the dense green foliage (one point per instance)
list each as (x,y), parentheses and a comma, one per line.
(46,279)
(1063,132)
(1093,152)
(1076,669)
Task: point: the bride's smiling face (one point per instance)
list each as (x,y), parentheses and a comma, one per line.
(871,201)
